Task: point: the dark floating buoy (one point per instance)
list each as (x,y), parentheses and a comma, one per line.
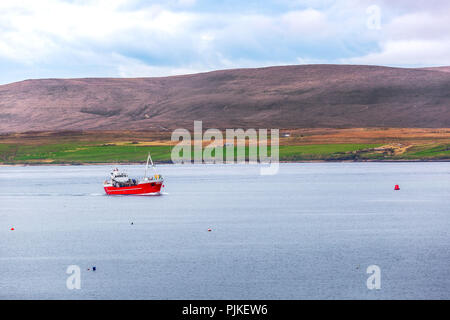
(94,268)
(397,187)
(132,223)
(209,230)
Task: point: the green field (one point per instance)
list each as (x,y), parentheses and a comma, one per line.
(81,153)
(99,152)
(441,151)
(322,151)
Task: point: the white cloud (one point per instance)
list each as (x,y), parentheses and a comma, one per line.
(419,25)
(132,68)
(407,53)
(138,38)
(417,38)
(307,21)
(43,27)
(187,2)
(100,31)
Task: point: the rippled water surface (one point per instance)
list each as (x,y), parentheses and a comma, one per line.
(308,232)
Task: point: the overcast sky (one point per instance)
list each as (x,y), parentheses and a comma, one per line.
(132,38)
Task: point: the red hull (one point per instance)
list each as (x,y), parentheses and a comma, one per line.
(142,188)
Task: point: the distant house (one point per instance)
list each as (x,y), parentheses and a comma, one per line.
(285,135)
(228,144)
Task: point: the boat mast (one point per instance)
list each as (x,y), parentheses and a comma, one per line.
(149,158)
(146,167)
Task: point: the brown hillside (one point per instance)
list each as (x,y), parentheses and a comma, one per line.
(308,96)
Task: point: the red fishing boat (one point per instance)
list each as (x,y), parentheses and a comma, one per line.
(121,184)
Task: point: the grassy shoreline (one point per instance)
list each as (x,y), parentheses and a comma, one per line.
(302,145)
(131,154)
(170,163)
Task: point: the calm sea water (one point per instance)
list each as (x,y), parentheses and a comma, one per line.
(308,232)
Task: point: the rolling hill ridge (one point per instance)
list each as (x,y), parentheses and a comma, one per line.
(303,96)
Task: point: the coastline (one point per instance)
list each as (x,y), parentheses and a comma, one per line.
(171,163)
(301,146)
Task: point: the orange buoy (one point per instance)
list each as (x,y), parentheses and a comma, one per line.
(12,229)
(397,187)
(209,230)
